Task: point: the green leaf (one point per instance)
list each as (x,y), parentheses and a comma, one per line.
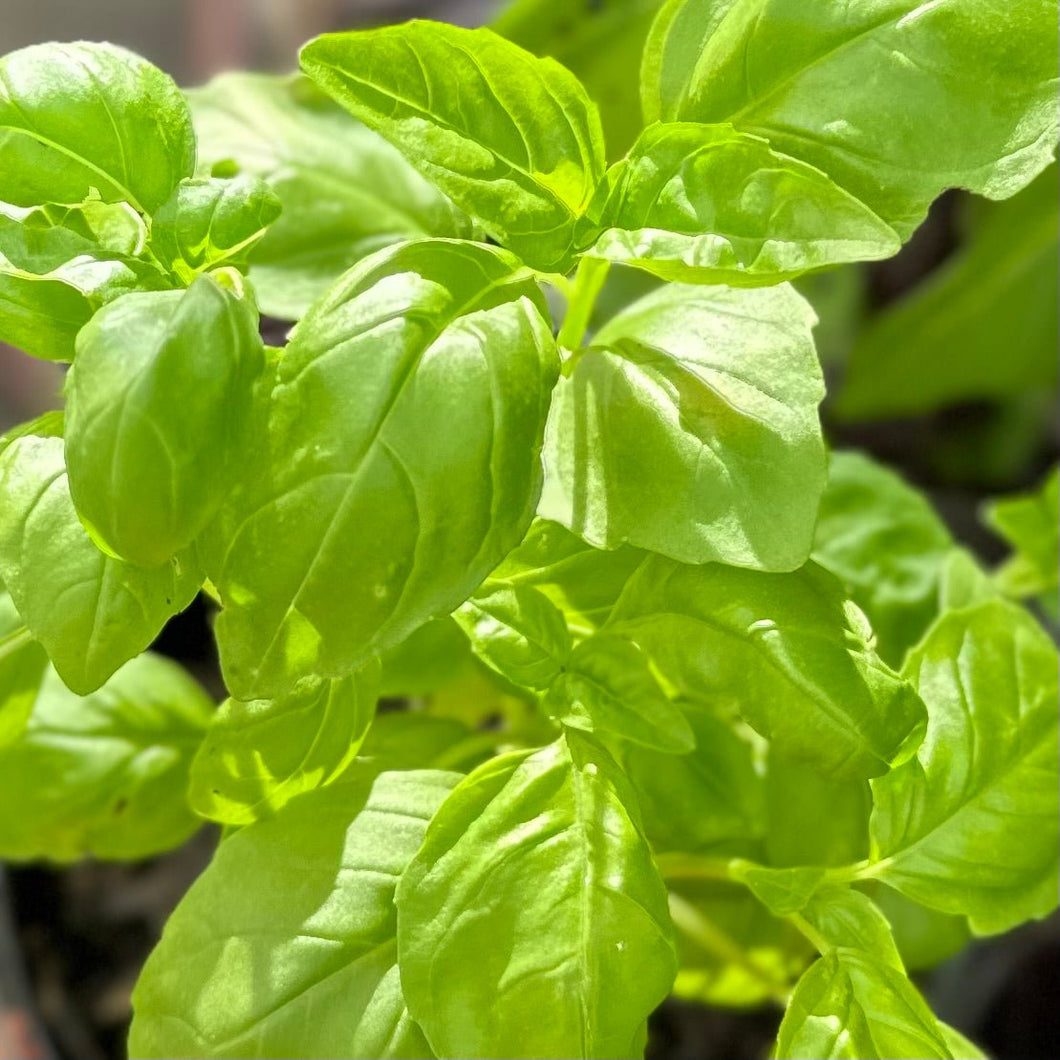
(959,1045)
(787,651)
(607,686)
(285,946)
(512,139)
(82,116)
(924,937)
(856,1001)
(982,326)
(430,658)
(895,100)
(210,222)
(159,404)
(433,340)
(690,428)
(969,825)
(414,740)
(707,204)
(577,926)
(515,630)
(1029,523)
(104,775)
(885,541)
(963,582)
(22,664)
(600,42)
(91,613)
(257,756)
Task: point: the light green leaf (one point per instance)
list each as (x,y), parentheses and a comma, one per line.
(209,222)
(896,100)
(257,756)
(577,927)
(970,825)
(436,340)
(22,663)
(83,116)
(104,775)
(787,651)
(159,404)
(959,1045)
(607,686)
(415,740)
(963,582)
(517,631)
(430,658)
(924,937)
(707,204)
(91,613)
(981,326)
(856,1002)
(285,946)
(518,146)
(885,541)
(345,191)
(690,428)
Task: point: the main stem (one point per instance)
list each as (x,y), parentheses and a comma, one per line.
(588,281)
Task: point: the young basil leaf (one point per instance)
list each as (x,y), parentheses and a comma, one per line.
(345,191)
(969,825)
(895,101)
(607,686)
(787,651)
(435,339)
(963,582)
(885,541)
(91,613)
(285,946)
(515,630)
(22,663)
(258,756)
(116,764)
(578,925)
(81,117)
(159,403)
(512,139)
(707,204)
(209,222)
(690,428)
(856,1001)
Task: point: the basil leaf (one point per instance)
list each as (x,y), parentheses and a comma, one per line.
(81,117)
(159,404)
(257,756)
(91,613)
(704,441)
(707,204)
(512,139)
(332,987)
(970,825)
(885,541)
(896,101)
(578,925)
(430,658)
(924,937)
(345,191)
(22,664)
(117,762)
(788,652)
(436,339)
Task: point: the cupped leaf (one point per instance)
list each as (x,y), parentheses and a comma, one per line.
(787,651)
(345,191)
(707,204)
(104,775)
(885,541)
(578,927)
(158,408)
(969,825)
(258,756)
(285,946)
(690,428)
(424,375)
(91,613)
(512,139)
(896,100)
(607,686)
(22,663)
(210,222)
(80,117)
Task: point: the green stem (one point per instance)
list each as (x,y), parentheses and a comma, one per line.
(821,944)
(693,867)
(15,640)
(588,281)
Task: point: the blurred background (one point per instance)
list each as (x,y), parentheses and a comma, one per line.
(976,287)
